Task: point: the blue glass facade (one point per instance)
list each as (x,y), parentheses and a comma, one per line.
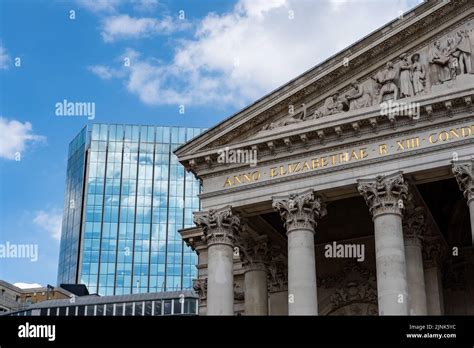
(72,211)
(137,196)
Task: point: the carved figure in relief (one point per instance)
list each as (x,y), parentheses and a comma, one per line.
(332,105)
(439,64)
(386,78)
(406,77)
(418,74)
(299,117)
(358,97)
(452,54)
(460,50)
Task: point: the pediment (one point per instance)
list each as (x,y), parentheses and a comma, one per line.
(398,62)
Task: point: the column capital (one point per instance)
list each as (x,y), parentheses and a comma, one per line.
(218,225)
(464,173)
(385,194)
(254,252)
(300,211)
(414,225)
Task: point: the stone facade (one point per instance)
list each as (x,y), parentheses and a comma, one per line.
(339,215)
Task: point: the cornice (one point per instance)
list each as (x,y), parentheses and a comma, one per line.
(437,108)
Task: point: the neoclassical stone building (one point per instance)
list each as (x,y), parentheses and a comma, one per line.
(361,198)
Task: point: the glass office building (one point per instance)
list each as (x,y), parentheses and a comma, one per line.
(126,198)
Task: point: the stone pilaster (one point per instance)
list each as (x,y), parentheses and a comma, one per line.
(414,227)
(464,173)
(385,197)
(219,227)
(299,213)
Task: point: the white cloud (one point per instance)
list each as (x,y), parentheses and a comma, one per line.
(238,56)
(112,6)
(4,58)
(145,5)
(27,285)
(126,27)
(98,6)
(49,221)
(104,72)
(15,136)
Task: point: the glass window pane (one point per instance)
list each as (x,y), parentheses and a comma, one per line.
(157,307)
(129,309)
(148,306)
(138,308)
(89,310)
(119,309)
(95,131)
(109,309)
(99,310)
(177,306)
(151,134)
(103,131)
(167,307)
(135,133)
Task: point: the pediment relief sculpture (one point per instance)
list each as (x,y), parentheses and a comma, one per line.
(440,61)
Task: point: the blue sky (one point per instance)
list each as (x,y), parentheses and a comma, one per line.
(211,56)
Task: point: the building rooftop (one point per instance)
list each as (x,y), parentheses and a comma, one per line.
(96,299)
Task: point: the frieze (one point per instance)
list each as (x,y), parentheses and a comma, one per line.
(358,64)
(439,62)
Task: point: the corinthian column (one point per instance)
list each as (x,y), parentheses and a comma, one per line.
(385,197)
(254,253)
(413,229)
(219,226)
(299,213)
(464,173)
